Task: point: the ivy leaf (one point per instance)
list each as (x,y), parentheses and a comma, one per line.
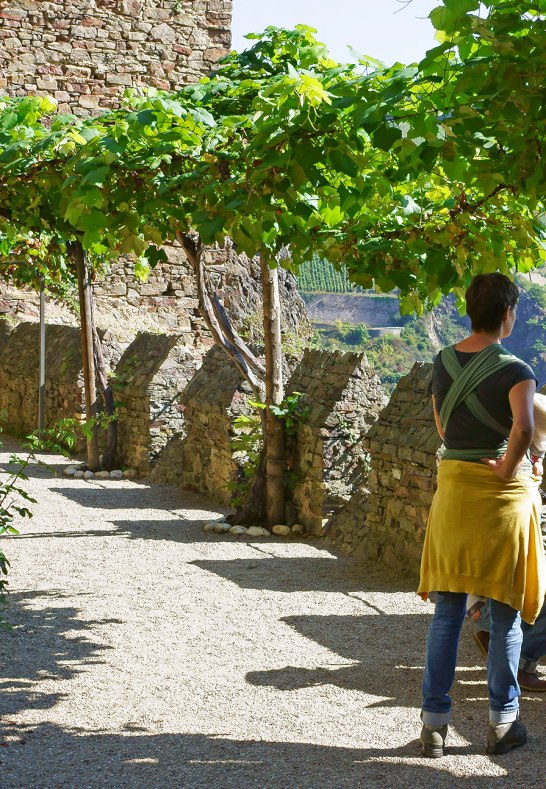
(342,162)
(385,136)
(411,303)
(93,198)
(146,117)
(142,269)
(203,116)
(9,120)
(153,234)
(155,255)
(114,146)
(96,177)
(133,244)
(88,133)
(211,228)
(459,8)
(73,212)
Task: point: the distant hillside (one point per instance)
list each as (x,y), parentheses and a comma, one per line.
(372,309)
(336,314)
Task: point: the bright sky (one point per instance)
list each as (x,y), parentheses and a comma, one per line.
(371,27)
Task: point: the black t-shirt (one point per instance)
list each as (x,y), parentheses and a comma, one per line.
(463,430)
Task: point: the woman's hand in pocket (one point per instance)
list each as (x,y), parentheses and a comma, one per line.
(501,468)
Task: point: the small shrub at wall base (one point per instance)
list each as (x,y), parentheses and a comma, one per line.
(247,442)
(65,433)
(246,446)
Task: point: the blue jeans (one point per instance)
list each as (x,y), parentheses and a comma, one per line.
(534,642)
(534,638)
(441,658)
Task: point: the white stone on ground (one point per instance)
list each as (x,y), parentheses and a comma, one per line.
(88,474)
(71,470)
(258,531)
(222,528)
(116,474)
(237,530)
(281,530)
(78,474)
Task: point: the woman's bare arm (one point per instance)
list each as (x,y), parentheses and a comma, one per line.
(521,434)
(437,420)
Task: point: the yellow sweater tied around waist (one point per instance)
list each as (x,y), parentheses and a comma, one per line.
(483,538)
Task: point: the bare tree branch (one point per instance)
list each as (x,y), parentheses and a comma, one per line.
(235,338)
(221,330)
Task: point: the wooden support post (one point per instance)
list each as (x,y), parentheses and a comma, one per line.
(274,393)
(77,253)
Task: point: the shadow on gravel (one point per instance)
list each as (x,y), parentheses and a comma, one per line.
(51,756)
(37,470)
(178,530)
(103,494)
(47,642)
(381,667)
(302,574)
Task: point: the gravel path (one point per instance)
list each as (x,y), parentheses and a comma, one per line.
(149,654)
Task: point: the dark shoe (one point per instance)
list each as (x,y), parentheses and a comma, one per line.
(531,681)
(505,736)
(433,741)
(481,637)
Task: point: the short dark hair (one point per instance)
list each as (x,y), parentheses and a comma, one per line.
(487,299)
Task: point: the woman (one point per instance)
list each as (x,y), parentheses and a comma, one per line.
(483,534)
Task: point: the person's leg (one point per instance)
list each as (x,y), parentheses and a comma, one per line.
(441,657)
(534,642)
(502,662)
(505,730)
(533,647)
(482,620)
(479,614)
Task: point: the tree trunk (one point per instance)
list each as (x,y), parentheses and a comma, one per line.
(266,382)
(84,291)
(252,510)
(218,323)
(105,388)
(274,393)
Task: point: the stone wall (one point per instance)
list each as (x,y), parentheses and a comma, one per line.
(167,300)
(86,52)
(19,377)
(387,521)
(201,459)
(20,304)
(343,397)
(5,331)
(381,496)
(148,381)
